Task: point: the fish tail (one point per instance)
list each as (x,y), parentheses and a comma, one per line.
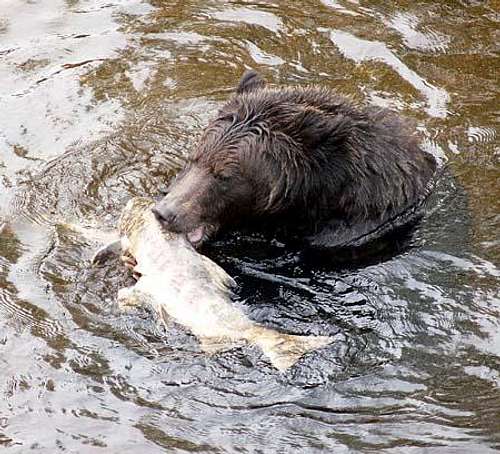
(284,350)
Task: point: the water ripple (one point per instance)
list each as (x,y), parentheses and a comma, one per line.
(361,50)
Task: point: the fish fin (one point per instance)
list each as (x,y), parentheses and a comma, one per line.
(213,345)
(284,350)
(164,316)
(104,253)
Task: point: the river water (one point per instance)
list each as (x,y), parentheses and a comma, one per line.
(101,100)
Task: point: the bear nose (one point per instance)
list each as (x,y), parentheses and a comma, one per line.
(165,215)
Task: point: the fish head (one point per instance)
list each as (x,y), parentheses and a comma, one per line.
(135,216)
(138,225)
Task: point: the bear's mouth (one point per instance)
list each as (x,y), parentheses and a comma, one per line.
(196,236)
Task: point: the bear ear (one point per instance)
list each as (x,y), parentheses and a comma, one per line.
(250,81)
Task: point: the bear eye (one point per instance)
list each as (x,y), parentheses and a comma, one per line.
(223,178)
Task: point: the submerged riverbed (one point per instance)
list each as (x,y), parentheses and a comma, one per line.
(102,100)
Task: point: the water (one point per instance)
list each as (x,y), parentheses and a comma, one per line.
(101,100)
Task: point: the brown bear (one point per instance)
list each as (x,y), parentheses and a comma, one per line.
(304,160)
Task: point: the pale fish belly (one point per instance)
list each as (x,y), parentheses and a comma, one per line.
(182,285)
(215,320)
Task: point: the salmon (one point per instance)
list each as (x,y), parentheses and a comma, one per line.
(182,285)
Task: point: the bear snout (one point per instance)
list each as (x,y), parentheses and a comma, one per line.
(164,214)
(170,217)
(176,215)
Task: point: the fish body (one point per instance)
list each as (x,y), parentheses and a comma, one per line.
(183,285)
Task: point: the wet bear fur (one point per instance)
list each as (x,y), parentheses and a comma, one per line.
(301,160)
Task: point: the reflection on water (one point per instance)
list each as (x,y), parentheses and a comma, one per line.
(102,101)
(360,50)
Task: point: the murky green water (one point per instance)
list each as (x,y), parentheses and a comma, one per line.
(100,100)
